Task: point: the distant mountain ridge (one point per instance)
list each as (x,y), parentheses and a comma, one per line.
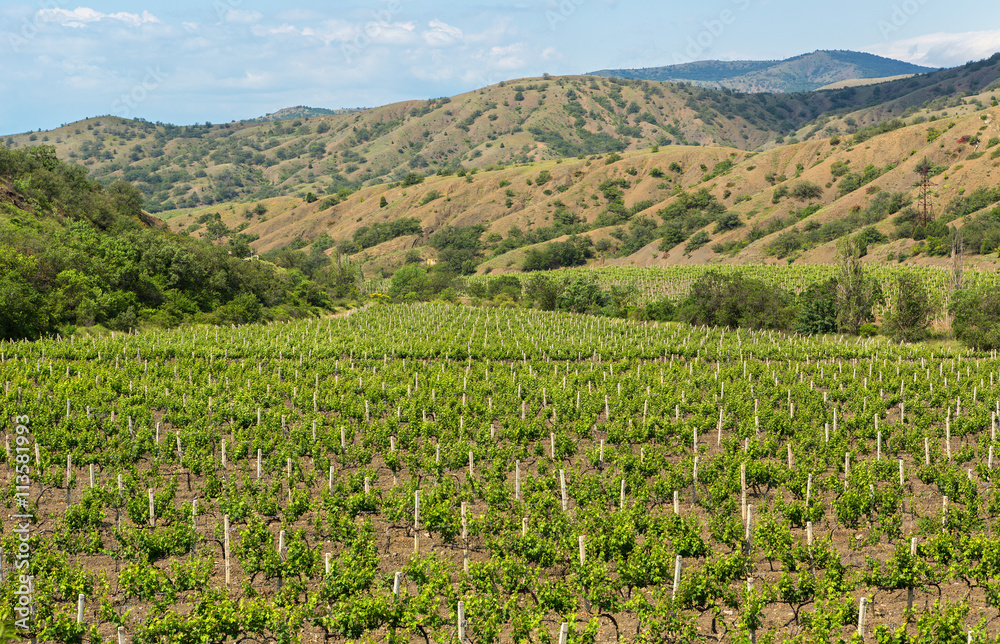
(804,73)
(303,112)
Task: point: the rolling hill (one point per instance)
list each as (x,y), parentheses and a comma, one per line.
(632,172)
(790,203)
(803,73)
(531,120)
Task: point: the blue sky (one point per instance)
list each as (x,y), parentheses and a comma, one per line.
(187,61)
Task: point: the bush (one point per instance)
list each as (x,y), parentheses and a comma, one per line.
(977,319)
(736,301)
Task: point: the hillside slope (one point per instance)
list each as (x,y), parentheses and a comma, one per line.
(803,73)
(788,204)
(510,123)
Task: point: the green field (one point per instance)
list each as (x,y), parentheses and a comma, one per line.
(590,456)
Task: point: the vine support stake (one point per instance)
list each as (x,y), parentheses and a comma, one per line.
(152,508)
(621,499)
(517,480)
(121,635)
(465,538)
(416,521)
(563,632)
(80,602)
(461,622)
(258,463)
(225,545)
(862,610)
(677,577)
(562,487)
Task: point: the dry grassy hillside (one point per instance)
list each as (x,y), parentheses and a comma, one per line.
(511,197)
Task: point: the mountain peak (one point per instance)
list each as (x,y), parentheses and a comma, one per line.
(802,73)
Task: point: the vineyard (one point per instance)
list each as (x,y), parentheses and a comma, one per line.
(440,473)
(674,282)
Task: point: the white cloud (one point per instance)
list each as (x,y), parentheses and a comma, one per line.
(81,16)
(942,49)
(442,34)
(508,57)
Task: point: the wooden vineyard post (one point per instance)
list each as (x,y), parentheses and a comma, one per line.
(749,529)
(225,545)
(809,488)
(677,504)
(524,526)
(677,577)
(517,480)
(465,539)
(694,481)
(416,521)
(326,563)
(563,632)
(461,622)
(121,635)
(909,590)
(69,476)
(396,581)
(947,436)
(152,508)
(80,603)
(194,514)
(743,490)
(809,533)
(862,606)
(621,498)
(562,487)
(91,475)
(258,463)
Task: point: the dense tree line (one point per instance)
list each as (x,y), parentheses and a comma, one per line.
(76,254)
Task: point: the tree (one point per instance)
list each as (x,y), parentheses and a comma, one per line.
(409,279)
(818,312)
(857,291)
(912,310)
(977,318)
